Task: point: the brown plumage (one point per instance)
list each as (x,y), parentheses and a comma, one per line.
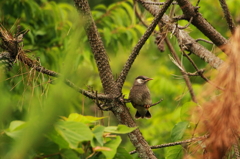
(140,97)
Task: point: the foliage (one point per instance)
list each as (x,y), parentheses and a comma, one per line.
(71,137)
(32,103)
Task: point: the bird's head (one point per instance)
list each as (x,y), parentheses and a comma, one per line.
(141,80)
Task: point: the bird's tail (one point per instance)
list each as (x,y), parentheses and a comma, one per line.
(147,115)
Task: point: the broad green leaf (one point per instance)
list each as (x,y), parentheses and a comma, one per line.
(174,152)
(113,145)
(15,128)
(58,139)
(69,154)
(122,153)
(120,129)
(178,130)
(98,136)
(74,132)
(83,119)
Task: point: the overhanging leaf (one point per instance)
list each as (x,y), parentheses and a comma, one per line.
(178,130)
(113,145)
(80,118)
(15,128)
(74,132)
(174,152)
(98,136)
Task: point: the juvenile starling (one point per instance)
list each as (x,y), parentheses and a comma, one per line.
(140,97)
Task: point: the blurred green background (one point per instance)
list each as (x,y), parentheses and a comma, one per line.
(57,39)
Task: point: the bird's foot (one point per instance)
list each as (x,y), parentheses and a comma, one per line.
(147,106)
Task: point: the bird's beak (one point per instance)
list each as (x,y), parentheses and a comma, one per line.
(149,79)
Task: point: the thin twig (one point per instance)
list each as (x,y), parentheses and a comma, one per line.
(236,150)
(202,24)
(174,143)
(204,41)
(156,103)
(197,2)
(185,76)
(200,72)
(185,38)
(184,27)
(140,44)
(227,15)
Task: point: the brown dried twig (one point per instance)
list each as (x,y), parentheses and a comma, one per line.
(175,143)
(227,15)
(182,69)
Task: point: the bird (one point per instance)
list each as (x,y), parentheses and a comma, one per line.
(140,97)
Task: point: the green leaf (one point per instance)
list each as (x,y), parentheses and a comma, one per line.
(120,129)
(15,128)
(174,152)
(58,139)
(69,154)
(122,153)
(178,131)
(100,7)
(107,35)
(113,145)
(98,136)
(83,119)
(74,132)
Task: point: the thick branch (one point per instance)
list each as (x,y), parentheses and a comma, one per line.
(117,104)
(201,23)
(186,40)
(98,49)
(140,44)
(227,15)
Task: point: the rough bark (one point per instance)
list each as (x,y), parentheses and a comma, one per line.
(98,49)
(140,44)
(184,39)
(202,24)
(116,103)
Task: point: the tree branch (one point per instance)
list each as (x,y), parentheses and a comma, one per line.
(117,104)
(99,52)
(227,15)
(201,23)
(185,76)
(140,43)
(186,40)
(174,143)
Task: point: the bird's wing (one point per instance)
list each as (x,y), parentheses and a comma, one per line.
(146,97)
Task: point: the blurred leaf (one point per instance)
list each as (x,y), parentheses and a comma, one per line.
(83,119)
(174,152)
(69,154)
(58,139)
(120,129)
(178,131)
(186,110)
(73,132)
(15,129)
(113,145)
(122,154)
